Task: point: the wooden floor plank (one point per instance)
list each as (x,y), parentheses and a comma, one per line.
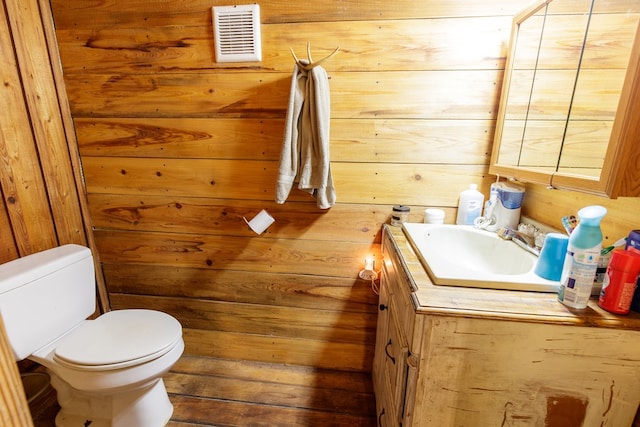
(271,394)
(277,373)
(214,392)
(273,384)
(213,412)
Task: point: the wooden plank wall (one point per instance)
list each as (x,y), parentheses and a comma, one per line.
(43,204)
(43,200)
(177,148)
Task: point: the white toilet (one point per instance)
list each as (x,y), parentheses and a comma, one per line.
(107,371)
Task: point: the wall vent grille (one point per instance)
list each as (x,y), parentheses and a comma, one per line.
(237,33)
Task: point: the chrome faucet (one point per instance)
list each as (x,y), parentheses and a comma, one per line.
(525,241)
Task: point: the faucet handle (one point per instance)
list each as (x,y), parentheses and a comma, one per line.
(532,231)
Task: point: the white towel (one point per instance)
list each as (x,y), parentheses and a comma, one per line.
(304,158)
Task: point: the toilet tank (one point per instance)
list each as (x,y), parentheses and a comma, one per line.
(44,295)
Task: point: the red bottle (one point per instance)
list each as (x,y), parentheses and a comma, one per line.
(620,282)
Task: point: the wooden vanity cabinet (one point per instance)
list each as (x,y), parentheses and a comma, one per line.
(448,356)
(395,361)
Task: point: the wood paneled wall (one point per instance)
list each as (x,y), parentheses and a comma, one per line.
(549,206)
(40,200)
(43,201)
(43,197)
(177,148)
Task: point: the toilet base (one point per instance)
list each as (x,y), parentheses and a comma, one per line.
(147,406)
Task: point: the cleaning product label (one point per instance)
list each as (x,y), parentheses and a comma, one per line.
(577,278)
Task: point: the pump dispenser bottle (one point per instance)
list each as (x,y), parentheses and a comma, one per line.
(581,261)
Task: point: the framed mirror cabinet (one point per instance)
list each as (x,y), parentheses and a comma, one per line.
(569,114)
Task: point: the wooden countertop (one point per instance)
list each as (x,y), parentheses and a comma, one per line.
(523,306)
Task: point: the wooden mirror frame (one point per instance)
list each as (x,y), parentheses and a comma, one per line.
(620,175)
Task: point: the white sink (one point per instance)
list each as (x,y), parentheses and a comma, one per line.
(458,255)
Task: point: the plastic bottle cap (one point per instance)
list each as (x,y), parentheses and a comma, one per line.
(592,215)
(401,208)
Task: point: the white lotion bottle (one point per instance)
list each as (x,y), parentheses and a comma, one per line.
(469,205)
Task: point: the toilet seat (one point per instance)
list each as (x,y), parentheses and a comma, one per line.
(118,339)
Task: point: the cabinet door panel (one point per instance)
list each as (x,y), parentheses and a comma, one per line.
(396,352)
(483,372)
(379,357)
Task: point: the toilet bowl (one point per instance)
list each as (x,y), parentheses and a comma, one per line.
(103,366)
(107,371)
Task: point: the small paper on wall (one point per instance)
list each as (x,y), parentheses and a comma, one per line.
(260,222)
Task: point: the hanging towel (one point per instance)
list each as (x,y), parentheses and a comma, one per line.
(304,158)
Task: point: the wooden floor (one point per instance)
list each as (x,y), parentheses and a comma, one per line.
(217,392)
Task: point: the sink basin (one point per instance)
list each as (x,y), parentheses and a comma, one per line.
(458,255)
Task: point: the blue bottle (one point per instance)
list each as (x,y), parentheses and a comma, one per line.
(581,261)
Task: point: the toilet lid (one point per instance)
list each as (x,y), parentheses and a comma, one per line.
(119,339)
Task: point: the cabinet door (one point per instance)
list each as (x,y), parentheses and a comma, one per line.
(381,385)
(396,352)
(482,372)
(390,358)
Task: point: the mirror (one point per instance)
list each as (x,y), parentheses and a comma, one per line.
(563,82)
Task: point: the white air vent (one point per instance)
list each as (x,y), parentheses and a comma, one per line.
(237,33)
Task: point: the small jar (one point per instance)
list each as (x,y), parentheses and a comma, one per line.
(400,214)
(433,216)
